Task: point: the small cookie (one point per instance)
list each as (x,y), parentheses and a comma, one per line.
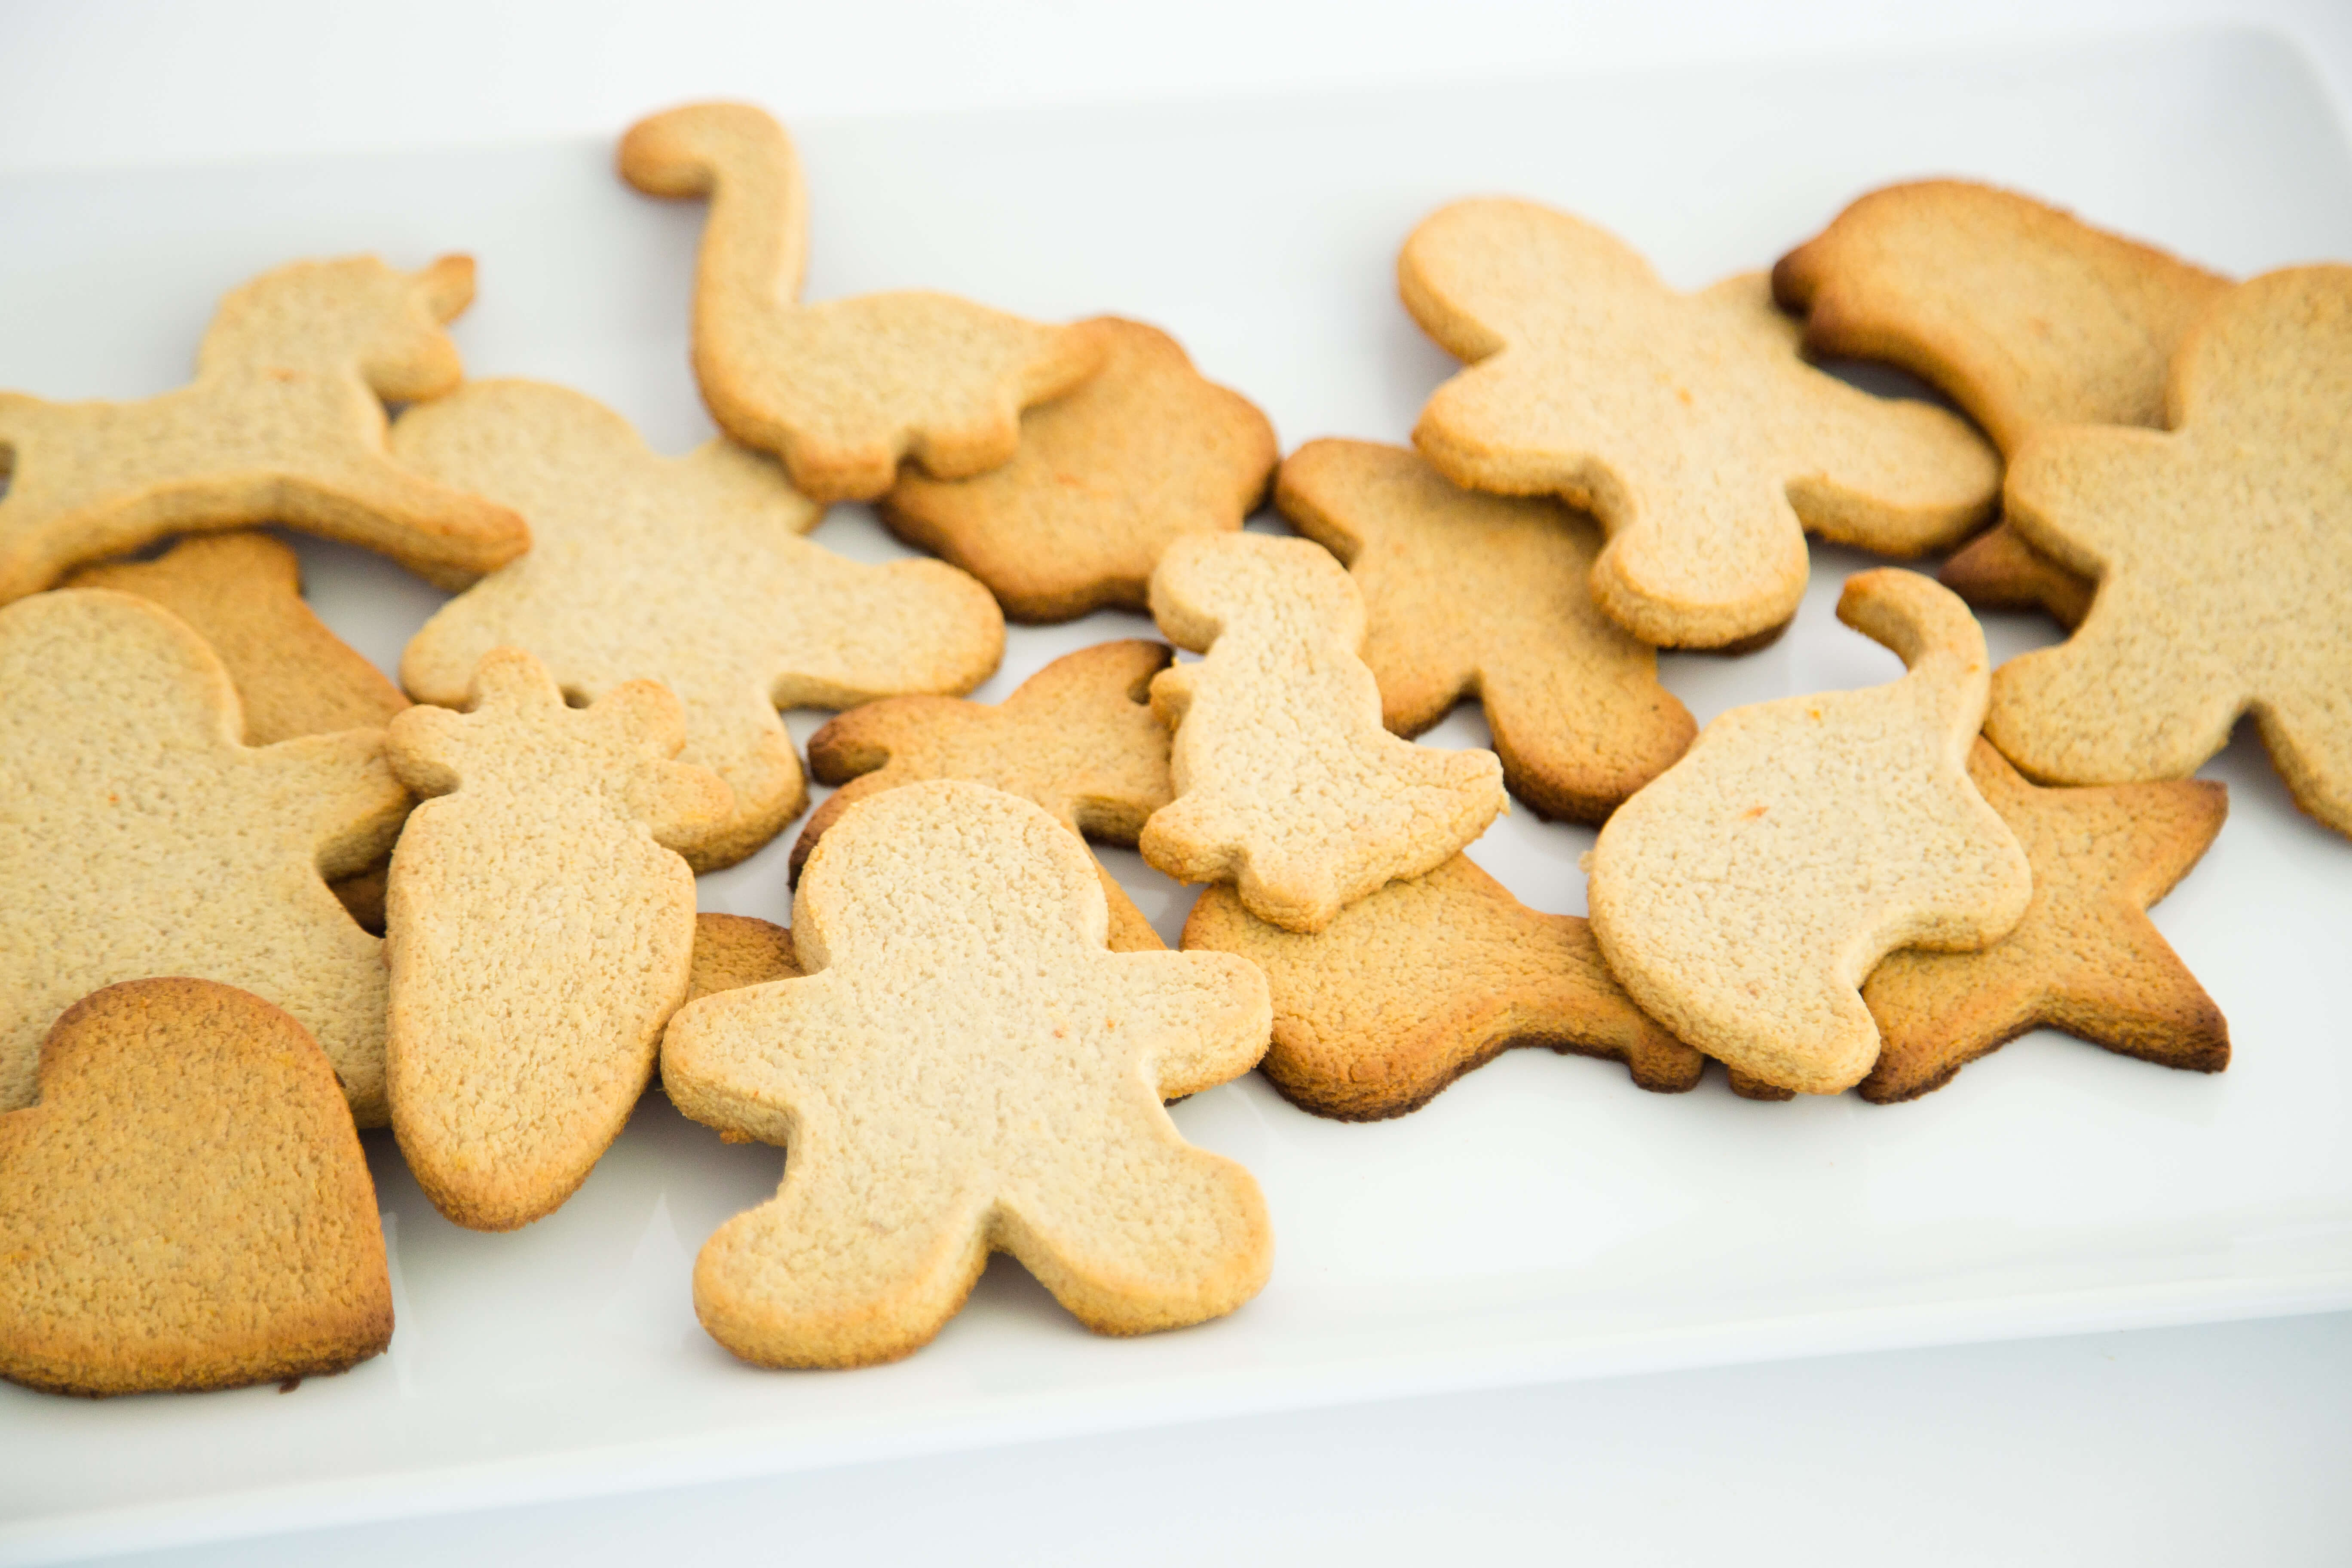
(1147,450)
(844,390)
(187,1206)
(1477,596)
(1743,898)
(689,571)
(540,926)
(284,423)
(734,951)
(2086,958)
(1424,981)
(1286,783)
(1079,738)
(1687,424)
(142,838)
(968,1069)
(2223,548)
(1999,570)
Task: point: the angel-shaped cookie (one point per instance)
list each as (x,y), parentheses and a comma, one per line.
(1687,424)
(967,1069)
(284,423)
(844,390)
(689,571)
(1743,897)
(1286,783)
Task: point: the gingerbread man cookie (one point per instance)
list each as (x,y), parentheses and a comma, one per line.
(1286,783)
(965,1069)
(1743,898)
(1688,424)
(689,571)
(845,390)
(284,423)
(1487,596)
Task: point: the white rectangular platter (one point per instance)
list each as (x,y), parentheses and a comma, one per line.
(1541,1219)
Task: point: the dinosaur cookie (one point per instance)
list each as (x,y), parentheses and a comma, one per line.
(1686,424)
(1286,783)
(2223,549)
(1147,450)
(1743,898)
(188,1207)
(540,928)
(845,390)
(2086,958)
(689,571)
(284,423)
(968,1069)
(143,838)
(1470,594)
(1079,738)
(1425,979)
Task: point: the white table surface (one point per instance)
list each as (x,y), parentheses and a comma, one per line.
(2191,1445)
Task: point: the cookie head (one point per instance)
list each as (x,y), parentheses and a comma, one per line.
(353,309)
(1205,582)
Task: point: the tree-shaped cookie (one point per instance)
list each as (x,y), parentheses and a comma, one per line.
(1286,783)
(1743,898)
(966,1068)
(689,571)
(844,390)
(1687,424)
(1079,738)
(2086,958)
(1424,981)
(1488,596)
(1146,451)
(142,838)
(188,1207)
(284,423)
(2223,549)
(540,928)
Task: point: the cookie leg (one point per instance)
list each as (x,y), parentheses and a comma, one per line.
(2310,742)
(446,536)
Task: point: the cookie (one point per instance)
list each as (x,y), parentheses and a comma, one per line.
(1079,738)
(1688,424)
(2223,548)
(845,390)
(2086,958)
(284,423)
(734,951)
(1742,899)
(143,838)
(689,571)
(243,593)
(1999,570)
(1425,979)
(1286,783)
(1477,596)
(540,926)
(188,1207)
(968,1069)
(1147,450)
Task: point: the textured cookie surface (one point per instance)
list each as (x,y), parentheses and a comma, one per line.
(284,423)
(2223,549)
(143,838)
(539,930)
(1286,783)
(2086,958)
(734,951)
(1079,738)
(1688,424)
(1147,449)
(689,571)
(968,1068)
(1488,596)
(1425,979)
(187,1206)
(1999,570)
(1743,897)
(844,390)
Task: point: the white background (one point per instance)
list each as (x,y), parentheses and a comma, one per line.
(2226,1443)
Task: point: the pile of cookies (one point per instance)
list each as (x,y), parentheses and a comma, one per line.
(257,899)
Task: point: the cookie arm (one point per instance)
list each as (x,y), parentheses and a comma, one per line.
(1206,1017)
(341,787)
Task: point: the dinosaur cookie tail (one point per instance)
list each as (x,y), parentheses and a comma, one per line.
(1931,631)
